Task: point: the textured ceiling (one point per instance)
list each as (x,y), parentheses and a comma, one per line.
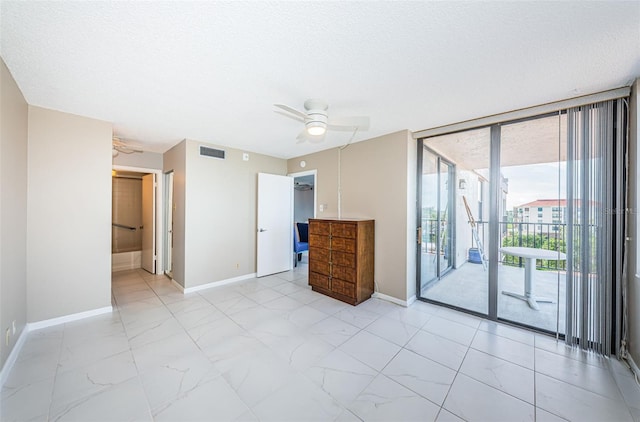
(211,71)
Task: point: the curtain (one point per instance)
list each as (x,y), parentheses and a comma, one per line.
(596,148)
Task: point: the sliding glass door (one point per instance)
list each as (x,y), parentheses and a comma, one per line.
(453,195)
(521,221)
(437,227)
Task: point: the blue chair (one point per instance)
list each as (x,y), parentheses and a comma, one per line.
(300,241)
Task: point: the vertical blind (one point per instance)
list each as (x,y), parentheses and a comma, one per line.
(596,143)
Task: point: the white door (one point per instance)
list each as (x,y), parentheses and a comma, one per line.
(148,227)
(275,224)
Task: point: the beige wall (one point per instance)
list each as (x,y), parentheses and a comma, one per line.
(145,160)
(175,161)
(13,210)
(220,199)
(69,214)
(378,181)
(634,202)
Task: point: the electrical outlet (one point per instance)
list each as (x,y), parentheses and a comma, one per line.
(6,337)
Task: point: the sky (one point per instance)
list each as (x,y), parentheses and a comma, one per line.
(535,181)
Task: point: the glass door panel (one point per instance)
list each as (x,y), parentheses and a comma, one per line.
(429,246)
(531,267)
(453,254)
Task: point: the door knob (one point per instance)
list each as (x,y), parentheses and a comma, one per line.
(262,230)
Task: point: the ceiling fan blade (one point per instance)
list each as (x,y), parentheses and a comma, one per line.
(292,111)
(290,116)
(348,123)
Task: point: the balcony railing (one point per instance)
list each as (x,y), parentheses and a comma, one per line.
(550,236)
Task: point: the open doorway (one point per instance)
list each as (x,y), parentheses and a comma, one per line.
(136,219)
(304,208)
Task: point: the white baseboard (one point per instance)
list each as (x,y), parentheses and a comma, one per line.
(218,283)
(633,365)
(68,318)
(392,299)
(13,356)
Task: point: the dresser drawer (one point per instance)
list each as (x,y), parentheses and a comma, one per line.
(343,258)
(316,227)
(343,230)
(319,241)
(319,280)
(344,273)
(343,288)
(320,267)
(343,244)
(319,254)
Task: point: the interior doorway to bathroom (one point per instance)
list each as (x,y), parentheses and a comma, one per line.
(136,224)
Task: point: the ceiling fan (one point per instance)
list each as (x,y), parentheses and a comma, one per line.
(317,121)
(120,147)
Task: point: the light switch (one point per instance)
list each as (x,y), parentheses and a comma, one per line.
(245,156)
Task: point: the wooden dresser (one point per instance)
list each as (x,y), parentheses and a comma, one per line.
(341,258)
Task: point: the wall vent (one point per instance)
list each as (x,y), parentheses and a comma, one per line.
(212,152)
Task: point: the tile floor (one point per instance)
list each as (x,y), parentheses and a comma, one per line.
(270,349)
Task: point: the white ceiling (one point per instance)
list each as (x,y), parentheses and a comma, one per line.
(211,71)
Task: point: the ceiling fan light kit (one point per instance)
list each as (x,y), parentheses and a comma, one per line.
(317,121)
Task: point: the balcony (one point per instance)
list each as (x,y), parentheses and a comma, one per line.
(465,284)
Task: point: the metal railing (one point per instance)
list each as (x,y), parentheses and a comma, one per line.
(549,236)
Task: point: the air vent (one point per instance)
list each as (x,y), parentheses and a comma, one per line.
(212,152)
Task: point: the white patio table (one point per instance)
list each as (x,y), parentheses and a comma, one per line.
(530,255)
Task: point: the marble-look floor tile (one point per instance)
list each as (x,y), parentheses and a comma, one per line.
(170,380)
(577,404)
(452,330)
(446,416)
(411,316)
(304,295)
(234,350)
(357,316)
(429,379)
(512,333)
(333,331)
(256,376)
(393,330)
(214,332)
(143,334)
(80,382)
(341,376)
(472,400)
(501,374)
(305,316)
(544,416)
(504,348)
(439,349)
(329,305)
(459,317)
(129,396)
(27,401)
(593,378)
(213,399)
(263,296)
(370,349)
(252,317)
(385,400)
(169,349)
(298,400)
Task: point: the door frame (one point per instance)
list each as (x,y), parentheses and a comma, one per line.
(313,173)
(159,211)
(451,224)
